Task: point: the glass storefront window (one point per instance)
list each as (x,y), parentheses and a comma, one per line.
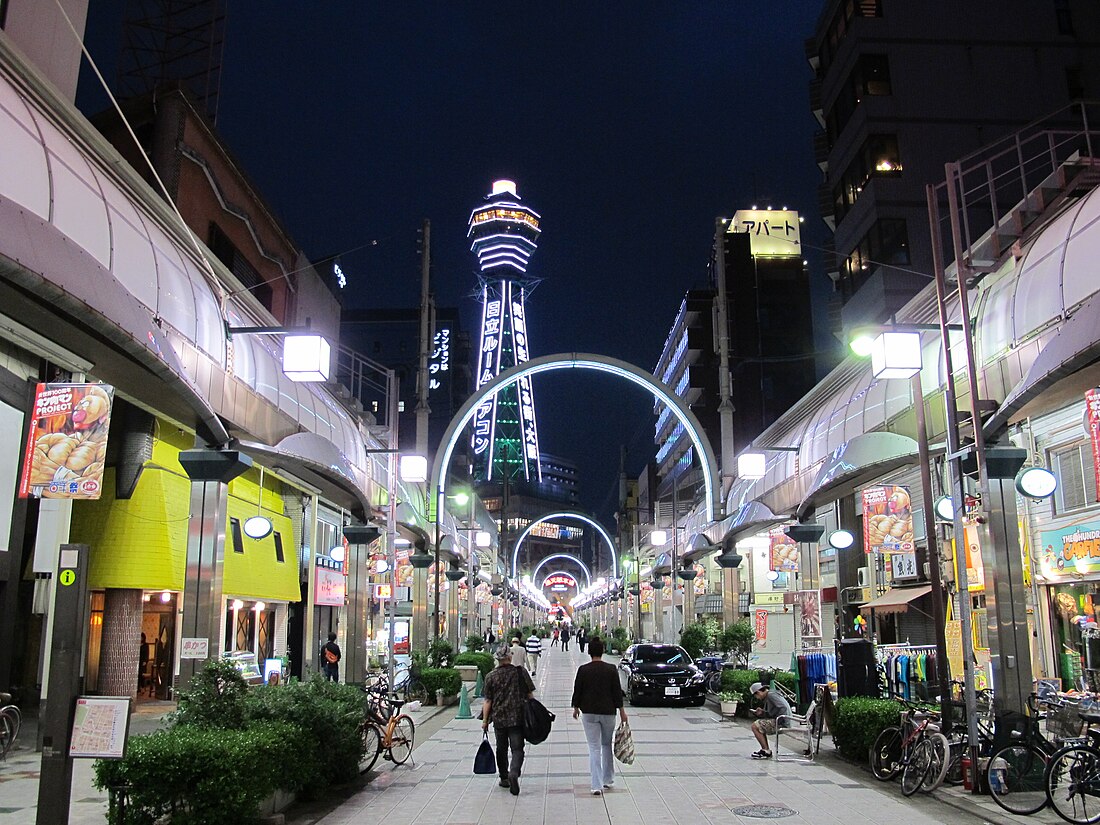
(1072,606)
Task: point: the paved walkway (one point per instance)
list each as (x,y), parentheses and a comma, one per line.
(691,767)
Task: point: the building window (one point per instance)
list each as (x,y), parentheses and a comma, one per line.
(235,533)
(279,548)
(1063,17)
(1075,85)
(878,158)
(869,78)
(886,243)
(1076,474)
(841,22)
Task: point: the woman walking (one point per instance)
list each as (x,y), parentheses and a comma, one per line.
(596,694)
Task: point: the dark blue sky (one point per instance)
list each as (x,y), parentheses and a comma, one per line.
(629,127)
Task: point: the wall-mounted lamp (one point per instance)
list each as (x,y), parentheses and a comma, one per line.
(413,468)
(482,538)
(841,539)
(1036,482)
(658,537)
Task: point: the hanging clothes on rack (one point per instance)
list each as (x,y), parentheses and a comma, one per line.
(912,672)
(814,667)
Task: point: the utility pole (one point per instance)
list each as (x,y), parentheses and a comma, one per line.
(423,411)
(722,336)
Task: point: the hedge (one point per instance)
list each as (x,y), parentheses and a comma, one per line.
(739,682)
(858,721)
(484,661)
(446,679)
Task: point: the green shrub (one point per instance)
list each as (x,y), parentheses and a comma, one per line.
(739,682)
(858,720)
(737,639)
(440,653)
(695,639)
(329,714)
(484,661)
(620,639)
(446,679)
(474,643)
(202,775)
(214,697)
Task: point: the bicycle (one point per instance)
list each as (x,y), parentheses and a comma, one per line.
(1072,776)
(11,719)
(385,728)
(915,748)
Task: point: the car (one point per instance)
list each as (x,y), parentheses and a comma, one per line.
(664,673)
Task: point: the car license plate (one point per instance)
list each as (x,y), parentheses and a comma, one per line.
(672,691)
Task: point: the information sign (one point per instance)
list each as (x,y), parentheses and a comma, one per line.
(100,726)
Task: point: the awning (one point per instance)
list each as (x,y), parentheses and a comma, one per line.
(896,600)
(311,458)
(751,517)
(857,462)
(1074,347)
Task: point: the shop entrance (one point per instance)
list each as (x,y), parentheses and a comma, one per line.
(158,633)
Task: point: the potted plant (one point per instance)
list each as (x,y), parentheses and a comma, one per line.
(728,701)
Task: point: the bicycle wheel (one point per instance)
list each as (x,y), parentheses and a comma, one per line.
(401,741)
(714,682)
(9,730)
(1016,779)
(886,754)
(372,746)
(1073,784)
(954,768)
(917,768)
(941,762)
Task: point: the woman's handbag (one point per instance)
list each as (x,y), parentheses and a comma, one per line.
(485,761)
(624,743)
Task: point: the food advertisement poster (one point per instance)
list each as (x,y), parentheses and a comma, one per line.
(1092,414)
(887,520)
(67,442)
(783,552)
(761,628)
(700,580)
(809,613)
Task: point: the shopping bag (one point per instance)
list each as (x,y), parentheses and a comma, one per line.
(537,721)
(485,761)
(624,744)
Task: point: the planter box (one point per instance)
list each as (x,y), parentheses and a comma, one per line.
(445,699)
(467,672)
(729,708)
(276,804)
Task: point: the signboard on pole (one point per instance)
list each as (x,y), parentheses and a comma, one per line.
(887,520)
(1092,415)
(761,628)
(67,442)
(100,725)
(782,552)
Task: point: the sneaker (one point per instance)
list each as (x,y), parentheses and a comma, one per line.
(597,792)
(608,785)
(504,783)
(761,754)
(513,785)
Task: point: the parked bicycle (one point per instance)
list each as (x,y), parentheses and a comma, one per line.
(11,718)
(915,748)
(385,727)
(1073,775)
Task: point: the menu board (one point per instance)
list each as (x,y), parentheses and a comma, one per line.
(100,726)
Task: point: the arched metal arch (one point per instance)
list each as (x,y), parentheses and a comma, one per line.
(572,558)
(555,573)
(564,514)
(599,363)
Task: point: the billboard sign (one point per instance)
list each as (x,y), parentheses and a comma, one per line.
(67,442)
(774,232)
(561,580)
(887,520)
(782,552)
(329,587)
(1092,416)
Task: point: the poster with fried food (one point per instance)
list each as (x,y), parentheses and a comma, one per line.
(783,552)
(887,519)
(67,442)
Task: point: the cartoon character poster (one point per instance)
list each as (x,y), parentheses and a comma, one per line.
(887,520)
(67,442)
(783,552)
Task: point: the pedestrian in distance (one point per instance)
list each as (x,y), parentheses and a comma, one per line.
(555,638)
(534,651)
(506,690)
(330,659)
(768,717)
(490,639)
(519,652)
(596,694)
(565,638)
(582,638)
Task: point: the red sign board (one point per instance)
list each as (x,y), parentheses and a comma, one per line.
(559,579)
(1092,407)
(67,442)
(761,628)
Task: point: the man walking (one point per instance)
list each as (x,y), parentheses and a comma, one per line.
(565,638)
(330,659)
(506,689)
(519,653)
(768,717)
(534,650)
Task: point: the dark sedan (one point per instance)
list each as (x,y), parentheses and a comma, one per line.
(661,673)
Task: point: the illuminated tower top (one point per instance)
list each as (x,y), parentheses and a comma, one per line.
(503,233)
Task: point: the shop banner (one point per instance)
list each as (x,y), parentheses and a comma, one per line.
(887,520)
(1071,552)
(67,442)
(328,588)
(700,580)
(782,552)
(953,632)
(975,567)
(809,612)
(1092,414)
(761,628)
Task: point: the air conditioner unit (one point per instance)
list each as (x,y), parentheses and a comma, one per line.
(863,577)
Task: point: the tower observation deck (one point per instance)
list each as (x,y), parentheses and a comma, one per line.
(503,234)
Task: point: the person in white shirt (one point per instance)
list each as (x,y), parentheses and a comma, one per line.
(534,650)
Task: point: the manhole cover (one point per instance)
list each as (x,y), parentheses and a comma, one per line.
(764,811)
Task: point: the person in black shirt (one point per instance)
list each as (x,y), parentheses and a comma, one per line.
(330,659)
(597,694)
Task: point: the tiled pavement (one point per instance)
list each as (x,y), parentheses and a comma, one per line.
(690,768)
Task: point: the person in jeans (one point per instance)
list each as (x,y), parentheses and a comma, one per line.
(774,707)
(330,659)
(534,650)
(506,689)
(596,694)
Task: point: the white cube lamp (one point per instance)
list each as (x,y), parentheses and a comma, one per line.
(414,468)
(896,355)
(751,465)
(482,538)
(306,358)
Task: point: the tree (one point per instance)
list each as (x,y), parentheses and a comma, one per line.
(737,639)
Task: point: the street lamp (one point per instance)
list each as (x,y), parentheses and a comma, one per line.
(752,465)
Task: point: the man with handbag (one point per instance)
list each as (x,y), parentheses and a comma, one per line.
(506,690)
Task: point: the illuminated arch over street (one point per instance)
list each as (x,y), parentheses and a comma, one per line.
(571,557)
(586,361)
(564,514)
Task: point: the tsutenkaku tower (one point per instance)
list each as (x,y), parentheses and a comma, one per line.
(503,233)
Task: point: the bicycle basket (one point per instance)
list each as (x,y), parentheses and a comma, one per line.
(1062,722)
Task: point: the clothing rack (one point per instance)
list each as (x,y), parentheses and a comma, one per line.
(909,669)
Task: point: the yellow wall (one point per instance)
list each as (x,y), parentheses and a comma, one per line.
(255,573)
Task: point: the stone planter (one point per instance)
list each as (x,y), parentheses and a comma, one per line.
(445,699)
(729,708)
(467,672)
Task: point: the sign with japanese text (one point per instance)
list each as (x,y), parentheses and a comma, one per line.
(488,365)
(809,613)
(67,442)
(1092,414)
(191,648)
(782,552)
(761,628)
(887,520)
(903,566)
(526,399)
(769,598)
(328,587)
(100,726)
(439,364)
(561,580)
(774,232)
(975,568)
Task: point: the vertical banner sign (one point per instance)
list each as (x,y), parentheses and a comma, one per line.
(526,399)
(487,362)
(1092,407)
(887,520)
(439,364)
(809,612)
(761,628)
(782,552)
(67,443)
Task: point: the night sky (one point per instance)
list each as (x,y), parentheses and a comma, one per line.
(628,127)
